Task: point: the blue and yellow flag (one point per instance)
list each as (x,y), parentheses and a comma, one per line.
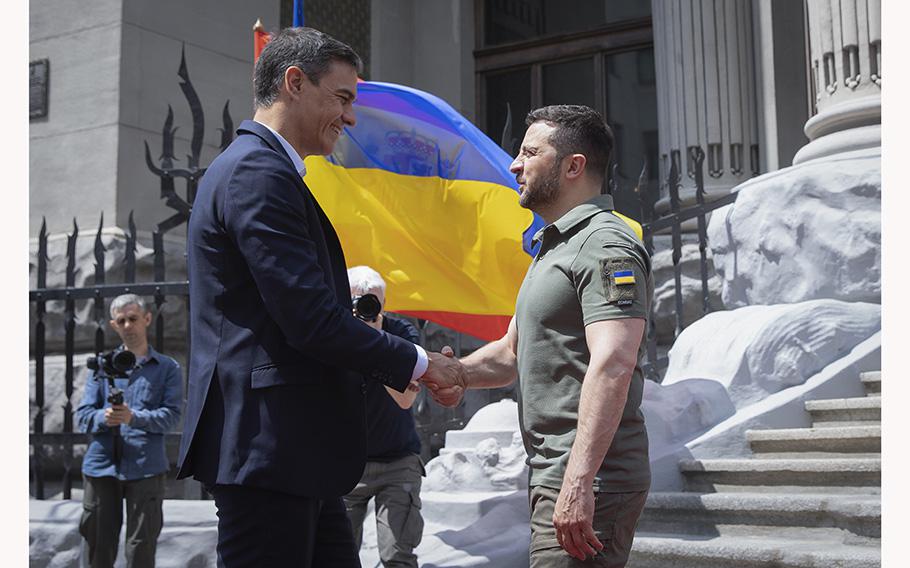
(424,197)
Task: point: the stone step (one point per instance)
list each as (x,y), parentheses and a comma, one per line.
(851,517)
(826,475)
(661,551)
(837,412)
(833,440)
(872,381)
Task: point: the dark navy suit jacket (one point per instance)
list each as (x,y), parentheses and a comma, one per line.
(276,392)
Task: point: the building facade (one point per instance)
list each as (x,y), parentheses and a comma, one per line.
(738,78)
(758,85)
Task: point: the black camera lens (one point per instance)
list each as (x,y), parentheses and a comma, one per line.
(367,307)
(113,363)
(123,361)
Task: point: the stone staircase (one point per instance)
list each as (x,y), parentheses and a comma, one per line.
(809,497)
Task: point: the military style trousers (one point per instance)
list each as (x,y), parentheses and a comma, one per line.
(399,525)
(615,518)
(102,517)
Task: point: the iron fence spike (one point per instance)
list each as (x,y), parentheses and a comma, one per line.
(42,255)
(196,111)
(148,161)
(99,252)
(613,185)
(182,72)
(168,121)
(506,142)
(227,132)
(642,177)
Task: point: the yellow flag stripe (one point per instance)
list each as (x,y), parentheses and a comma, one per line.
(635,225)
(443,245)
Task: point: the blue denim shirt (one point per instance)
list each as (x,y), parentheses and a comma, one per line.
(154,393)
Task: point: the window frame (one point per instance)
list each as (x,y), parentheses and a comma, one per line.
(628,35)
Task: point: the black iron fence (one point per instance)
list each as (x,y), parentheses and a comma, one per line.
(159,288)
(432,422)
(672,222)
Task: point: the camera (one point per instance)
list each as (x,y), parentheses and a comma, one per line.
(114,364)
(107,367)
(367,307)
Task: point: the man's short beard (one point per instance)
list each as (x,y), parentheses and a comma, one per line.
(543,192)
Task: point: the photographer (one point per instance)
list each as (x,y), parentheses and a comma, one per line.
(394,469)
(126,458)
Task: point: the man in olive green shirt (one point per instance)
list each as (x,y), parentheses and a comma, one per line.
(575,344)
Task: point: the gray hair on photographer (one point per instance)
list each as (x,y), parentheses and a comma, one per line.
(125,300)
(364,278)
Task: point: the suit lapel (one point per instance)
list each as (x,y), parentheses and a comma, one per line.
(338,269)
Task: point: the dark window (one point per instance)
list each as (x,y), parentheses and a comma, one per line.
(595,53)
(569,83)
(510,21)
(512,88)
(344,20)
(632,113)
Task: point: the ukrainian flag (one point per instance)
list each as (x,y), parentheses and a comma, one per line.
(424,197)
(624,277)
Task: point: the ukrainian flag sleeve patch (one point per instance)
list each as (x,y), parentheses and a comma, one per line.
(623,277)
(618,275)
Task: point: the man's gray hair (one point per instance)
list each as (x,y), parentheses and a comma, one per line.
(125,300)
(364,278)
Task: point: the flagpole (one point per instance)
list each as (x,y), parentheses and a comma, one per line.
(260,38)
(298,13)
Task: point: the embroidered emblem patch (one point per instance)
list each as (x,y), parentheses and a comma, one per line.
(618,275)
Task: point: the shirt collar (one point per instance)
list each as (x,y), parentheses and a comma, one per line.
(152,355)
(578,214)
(292,153)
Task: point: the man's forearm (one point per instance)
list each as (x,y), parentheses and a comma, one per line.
(493,365)
(603,398)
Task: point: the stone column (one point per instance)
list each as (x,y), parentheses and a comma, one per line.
(846,55)
(704,54)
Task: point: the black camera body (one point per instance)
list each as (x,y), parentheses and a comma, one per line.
(367,307)
(107,367)
(112,365)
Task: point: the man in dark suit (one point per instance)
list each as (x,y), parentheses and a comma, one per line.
(275,425)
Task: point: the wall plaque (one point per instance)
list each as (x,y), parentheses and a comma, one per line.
(38,74)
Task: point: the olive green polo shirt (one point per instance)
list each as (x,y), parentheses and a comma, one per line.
(591,267)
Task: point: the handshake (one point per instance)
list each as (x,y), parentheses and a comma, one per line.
(445,377)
